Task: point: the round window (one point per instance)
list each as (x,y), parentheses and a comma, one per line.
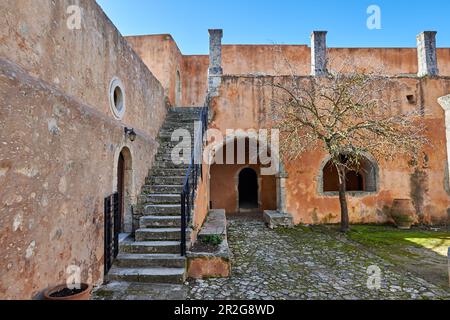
(117,98)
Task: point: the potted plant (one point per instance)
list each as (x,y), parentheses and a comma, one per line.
(403,213)
(64,293)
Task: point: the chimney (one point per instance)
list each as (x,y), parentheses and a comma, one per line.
(427,57)
(215,70)
(319,53)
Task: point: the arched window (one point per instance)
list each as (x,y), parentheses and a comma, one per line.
(362,180)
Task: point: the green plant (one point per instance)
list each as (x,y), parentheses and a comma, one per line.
(214,240)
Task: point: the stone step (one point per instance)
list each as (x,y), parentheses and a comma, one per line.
(169,133)
(130,260)
(165,153)
(150,247)
(162,209)
(169,125)
(155,198)
(169,165)
(167,157)
(160,222)
(186,109)
(160,234)
(168,147)
(169,172)
(179,136)
(182,118)
(161,180)
(158,189)
(147,275)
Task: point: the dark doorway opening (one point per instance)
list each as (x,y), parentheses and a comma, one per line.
(121,191)
(248,189)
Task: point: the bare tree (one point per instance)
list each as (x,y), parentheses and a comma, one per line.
(346,114)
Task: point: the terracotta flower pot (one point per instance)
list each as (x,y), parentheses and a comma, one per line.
(85,293)
(403,213)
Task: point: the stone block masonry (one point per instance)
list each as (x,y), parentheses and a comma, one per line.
(427,56)
(215,70)
(319,53)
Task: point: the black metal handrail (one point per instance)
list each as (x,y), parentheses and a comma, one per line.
(191,181)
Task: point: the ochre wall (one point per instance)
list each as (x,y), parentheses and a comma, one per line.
(201,201)
(59,142)
(162,56)
(195,80)
(244,103)
(266,59)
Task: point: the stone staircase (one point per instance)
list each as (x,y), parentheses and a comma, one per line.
(153,255)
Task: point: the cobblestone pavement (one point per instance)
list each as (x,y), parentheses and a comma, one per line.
(301,263)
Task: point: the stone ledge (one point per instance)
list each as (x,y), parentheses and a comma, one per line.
(216,264)
(215,225)
(275,219)
(203,265)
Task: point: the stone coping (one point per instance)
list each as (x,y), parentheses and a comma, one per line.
(223,252)
(215,225)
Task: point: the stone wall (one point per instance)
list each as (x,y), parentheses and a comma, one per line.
(163,57)
(244,103)
(59,142)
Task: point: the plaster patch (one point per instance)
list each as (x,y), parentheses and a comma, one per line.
(44,201)
(30,250)
(62,186)
(53,126)
(28,172)
(13,199)
(17,223)
(3,172)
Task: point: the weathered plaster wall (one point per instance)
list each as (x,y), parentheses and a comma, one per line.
(195,80)
(201,202)
(59,142)
(266,59)
(161,55)
(244,103)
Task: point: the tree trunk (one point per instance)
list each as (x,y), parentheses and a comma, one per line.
(343,198)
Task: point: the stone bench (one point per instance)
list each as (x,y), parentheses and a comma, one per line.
(275,219)
(217,264)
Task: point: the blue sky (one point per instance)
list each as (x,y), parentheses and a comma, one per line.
(282,21)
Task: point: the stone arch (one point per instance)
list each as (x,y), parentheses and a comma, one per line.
(279,174)
(125,153)
(367,176)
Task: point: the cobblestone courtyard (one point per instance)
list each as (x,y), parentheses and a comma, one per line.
(304,264)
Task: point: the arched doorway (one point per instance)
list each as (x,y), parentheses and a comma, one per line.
(227,170)
(125,191)
(121,191)
(248,189)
